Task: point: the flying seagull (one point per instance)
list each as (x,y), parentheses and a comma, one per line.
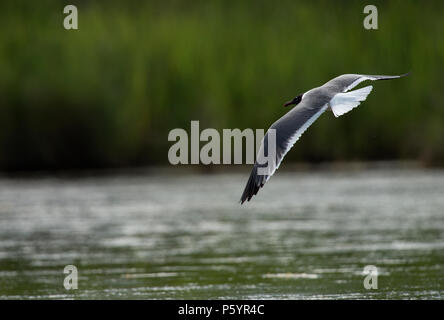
(335,94)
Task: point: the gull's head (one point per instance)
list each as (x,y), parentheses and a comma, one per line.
(295,101)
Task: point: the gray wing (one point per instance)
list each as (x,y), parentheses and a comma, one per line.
(347,82)
(287,130)
(292,125)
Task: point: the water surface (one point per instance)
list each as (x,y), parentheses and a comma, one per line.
(160,236)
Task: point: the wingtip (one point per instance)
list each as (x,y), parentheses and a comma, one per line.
(242,200)
(254,183)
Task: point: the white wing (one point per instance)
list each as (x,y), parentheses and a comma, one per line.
(346,101)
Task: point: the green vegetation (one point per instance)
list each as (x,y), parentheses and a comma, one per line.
(109,93)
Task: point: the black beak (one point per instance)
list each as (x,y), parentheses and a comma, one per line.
(289,103)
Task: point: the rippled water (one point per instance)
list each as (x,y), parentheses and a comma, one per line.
(307,235)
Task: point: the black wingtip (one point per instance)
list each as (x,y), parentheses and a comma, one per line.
(254,183)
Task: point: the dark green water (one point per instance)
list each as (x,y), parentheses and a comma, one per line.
(307,235)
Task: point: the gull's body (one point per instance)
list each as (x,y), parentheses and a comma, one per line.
(334,95)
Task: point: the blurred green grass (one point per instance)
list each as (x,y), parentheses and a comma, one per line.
(107,94)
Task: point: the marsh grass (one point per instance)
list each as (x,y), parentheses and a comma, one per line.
(108,93)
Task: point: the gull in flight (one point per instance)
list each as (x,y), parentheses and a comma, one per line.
(334,95)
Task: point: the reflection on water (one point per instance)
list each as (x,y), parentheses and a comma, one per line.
(307,235)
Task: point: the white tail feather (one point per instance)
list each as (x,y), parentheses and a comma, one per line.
(345,101)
